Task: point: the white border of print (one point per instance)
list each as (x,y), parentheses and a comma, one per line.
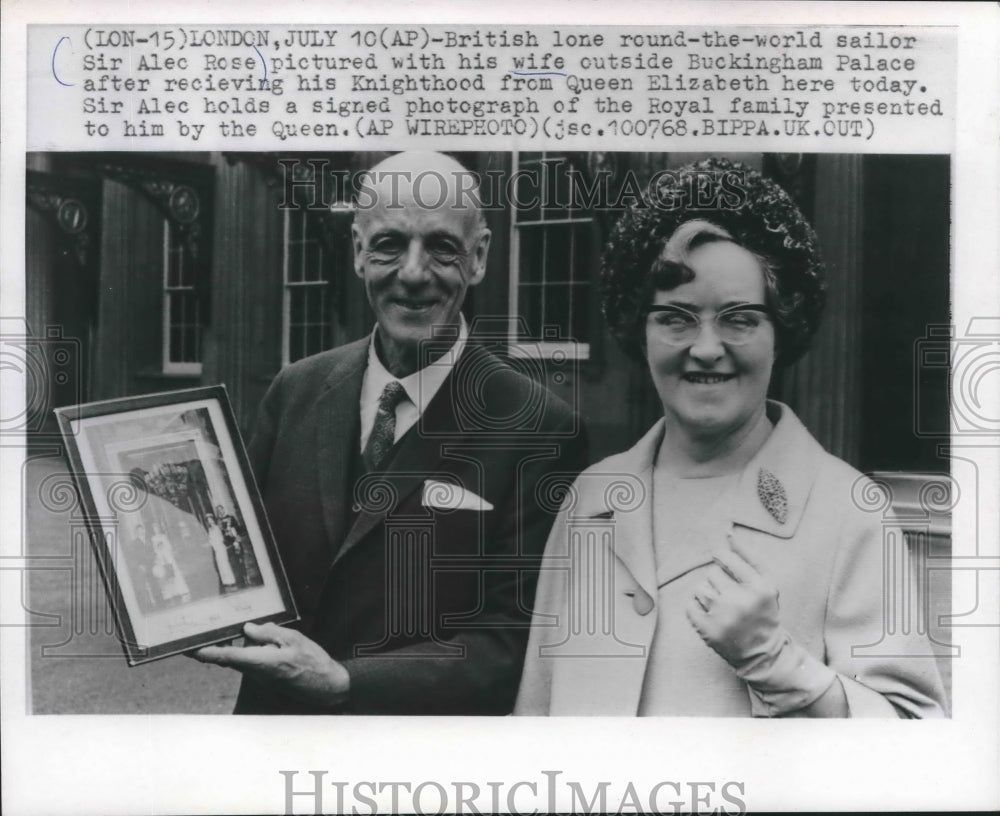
(182,764)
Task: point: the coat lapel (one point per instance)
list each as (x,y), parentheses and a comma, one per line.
(770,496)
(337,432)
(775,486)
(633,530)
(634,543)
(418,456)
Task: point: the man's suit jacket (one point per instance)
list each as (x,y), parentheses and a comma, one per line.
(428,607)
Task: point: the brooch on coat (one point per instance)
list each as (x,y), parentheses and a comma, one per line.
(772,495)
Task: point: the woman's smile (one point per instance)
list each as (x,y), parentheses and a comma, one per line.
(707,377)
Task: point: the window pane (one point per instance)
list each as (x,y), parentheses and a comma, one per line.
(308,306)
(296,225)
(189,345)
(581,253)
(196,344)
(309,312)
(555,261)
(175,344)
(576,184)
(314,339)
(531,254)
(557,192)
(294,262)
(324,305)
(309,325)
(559,252)
(179,263)
(557,308)
(169,266)
(529,304)
(580,313)
(185,269)
(176,308)
(173,268)
(313,262)
(295,342)
(182,337)
(295,311)
(527,193)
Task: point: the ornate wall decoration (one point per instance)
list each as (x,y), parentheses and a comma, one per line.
(178,193)
(67,208)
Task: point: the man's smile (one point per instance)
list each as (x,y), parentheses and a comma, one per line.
(415,304)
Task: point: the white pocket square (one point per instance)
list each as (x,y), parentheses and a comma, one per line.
(450,496)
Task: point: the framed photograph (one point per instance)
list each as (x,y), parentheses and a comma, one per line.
(175,520)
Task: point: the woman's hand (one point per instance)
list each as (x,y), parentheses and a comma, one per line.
(296,665)
(735,609)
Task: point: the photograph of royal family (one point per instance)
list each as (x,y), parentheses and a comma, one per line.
(182,539)
(189,559)
(740,580)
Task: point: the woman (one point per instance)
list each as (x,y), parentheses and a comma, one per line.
(227,579)
(172,584)
(743,580)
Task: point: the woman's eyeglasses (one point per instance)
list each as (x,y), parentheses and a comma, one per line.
(734,326)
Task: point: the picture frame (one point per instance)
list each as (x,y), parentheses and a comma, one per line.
(176,522)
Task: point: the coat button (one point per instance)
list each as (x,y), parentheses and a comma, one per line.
(642,602)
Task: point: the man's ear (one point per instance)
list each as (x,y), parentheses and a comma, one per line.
(479,254)
(358,242)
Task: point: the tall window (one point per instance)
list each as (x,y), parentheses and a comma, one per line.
(308,304)
(181,316)
(553,255)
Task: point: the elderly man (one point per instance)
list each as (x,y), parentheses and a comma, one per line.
(401,476)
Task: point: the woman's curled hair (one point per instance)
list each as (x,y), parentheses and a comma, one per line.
(713,200)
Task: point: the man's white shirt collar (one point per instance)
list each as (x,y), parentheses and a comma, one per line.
(420,386)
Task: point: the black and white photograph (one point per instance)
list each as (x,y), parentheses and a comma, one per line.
(165,501)
(567,303)
(605,403)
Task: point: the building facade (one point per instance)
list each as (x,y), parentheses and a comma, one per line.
(175,270)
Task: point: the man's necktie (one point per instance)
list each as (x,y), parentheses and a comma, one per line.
(383,435)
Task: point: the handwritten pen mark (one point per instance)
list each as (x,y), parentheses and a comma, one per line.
(54,52)
(262,62)
(537,73)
